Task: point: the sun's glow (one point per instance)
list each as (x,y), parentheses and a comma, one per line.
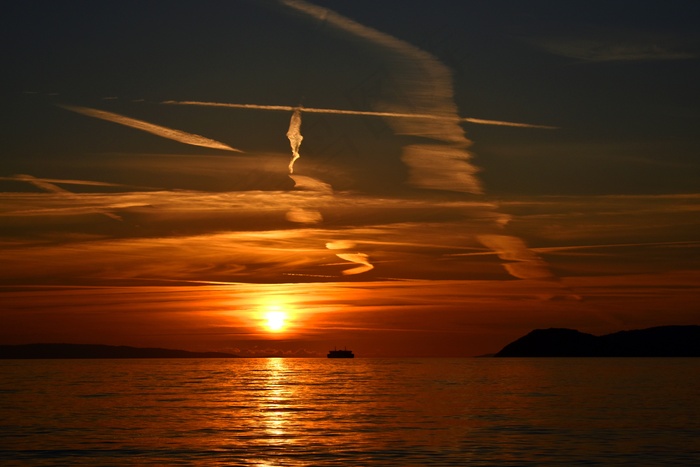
(275,320)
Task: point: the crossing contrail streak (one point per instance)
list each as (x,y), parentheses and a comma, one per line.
(35,181)
(45,184)
(423,85)
(288,108)
(481,121)
(425,102)
(163,132)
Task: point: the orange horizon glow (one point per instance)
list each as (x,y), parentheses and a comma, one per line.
(134,219)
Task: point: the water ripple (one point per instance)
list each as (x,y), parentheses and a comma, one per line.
(294,412)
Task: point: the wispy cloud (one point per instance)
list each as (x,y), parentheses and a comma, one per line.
(302,182)
(521,262)
(308,214)
(304,216)
(426,88)
(482,121)
(44,184)
(422,87)
(49,185)
(163,132)
(601,52)
(295,137)
(360,258)
(354,257)
(616,46)
(53,184)
(367,113)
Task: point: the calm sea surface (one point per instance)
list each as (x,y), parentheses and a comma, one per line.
(361,412)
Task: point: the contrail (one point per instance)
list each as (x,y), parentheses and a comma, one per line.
(425,84)
(46,185)
(163,132)
(288,108)
(295,138)
(36,181)
(422,83)
(359,258)
(481,121)
(521,262)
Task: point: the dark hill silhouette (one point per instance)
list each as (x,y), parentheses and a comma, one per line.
(662,341)
(37,351)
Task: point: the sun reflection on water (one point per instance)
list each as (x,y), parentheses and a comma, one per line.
(369,412)
(275,405)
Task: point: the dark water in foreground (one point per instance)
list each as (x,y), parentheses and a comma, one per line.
(361,412)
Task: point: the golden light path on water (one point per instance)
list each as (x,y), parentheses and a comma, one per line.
(358,412)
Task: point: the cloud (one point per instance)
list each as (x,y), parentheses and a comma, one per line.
(340,245)
(303,216)
(163,132)
(601,52)
(615,46)
(285,108)
(366,113)
(434,166)
(52,181)
(424,86)
(482,121)
(573,248)
(302,182)
(46,184)
(295,138)
(50,184)
(359,258)
(523,263)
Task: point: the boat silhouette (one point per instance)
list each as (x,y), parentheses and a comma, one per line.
(345,353)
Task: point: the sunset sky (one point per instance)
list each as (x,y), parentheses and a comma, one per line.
(146,197)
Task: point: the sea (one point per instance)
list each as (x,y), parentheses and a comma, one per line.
(350,412)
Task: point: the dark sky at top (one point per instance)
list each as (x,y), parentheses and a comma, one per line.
(125,219)
(619,78)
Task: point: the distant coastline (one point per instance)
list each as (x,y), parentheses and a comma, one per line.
(662,341)
(95,351)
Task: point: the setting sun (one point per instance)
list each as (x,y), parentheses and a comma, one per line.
(275,320)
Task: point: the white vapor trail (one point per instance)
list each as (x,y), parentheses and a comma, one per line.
(51,181)
(163,132)
(295,138)
(481,121)
(288,108)
(423,98)
(521,262)
(424,84)
(45,184)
